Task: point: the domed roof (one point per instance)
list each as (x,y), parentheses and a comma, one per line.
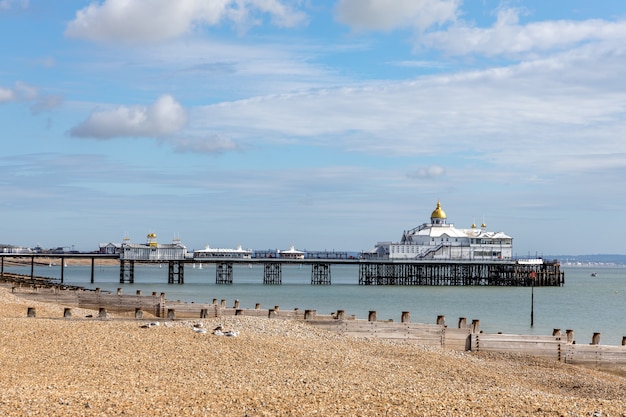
(438,213)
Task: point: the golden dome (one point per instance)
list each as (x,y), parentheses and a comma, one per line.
(438,213)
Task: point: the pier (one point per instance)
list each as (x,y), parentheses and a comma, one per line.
(371,272)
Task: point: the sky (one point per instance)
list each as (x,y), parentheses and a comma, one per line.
(327,125)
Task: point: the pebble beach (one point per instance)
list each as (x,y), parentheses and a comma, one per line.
(119,366)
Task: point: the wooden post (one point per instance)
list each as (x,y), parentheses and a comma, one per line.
(204,313)
(119,291)
(276,308)
(556,332)
(154,293)
(223,303)
(570,335)
(171,313)
(441,320)
(238,312)
(257,306)
(139,292)
(138,313)
(406,317)
(475,326)
(372,315)
(340,314)
(31,312)
(236,304)
(623,340)
(462,323)
(595,339)
(67,312)
(215,301)
(309,314)
(102,313)
(98,290)
(271,313)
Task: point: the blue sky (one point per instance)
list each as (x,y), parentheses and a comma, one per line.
(322,124)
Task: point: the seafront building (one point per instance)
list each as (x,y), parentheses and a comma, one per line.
(441,240)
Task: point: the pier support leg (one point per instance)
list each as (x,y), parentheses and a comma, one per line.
(176,272)
(272,274)
(320,274)
(127,271)
(93,264)
(224,273)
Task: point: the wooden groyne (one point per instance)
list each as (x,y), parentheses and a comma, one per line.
(464,336)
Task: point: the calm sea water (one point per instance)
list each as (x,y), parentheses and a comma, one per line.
(585,304)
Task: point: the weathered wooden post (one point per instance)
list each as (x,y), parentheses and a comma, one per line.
(171,313)
(340,314)
(475,326)
(372,315)
(204,313)
(406,317)
(595,339)
(570,335)
(139,292)
(309,314)
(277,308)
(154,293)
(215,301)
(236,305)
(441,320)
(272,313)
(623,340)
(31,312)
(238,312)
(556,332)
(67,312)
(103,313)
(138,313)
(462,323)
(257,306)
(119,291)
(98,290)
(223,303)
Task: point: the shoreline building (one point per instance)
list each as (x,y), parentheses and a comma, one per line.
(441,240)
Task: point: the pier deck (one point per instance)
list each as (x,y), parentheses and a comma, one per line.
(445,272)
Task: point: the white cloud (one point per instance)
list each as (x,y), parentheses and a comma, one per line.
(389,15)
(163,118)
(155,20)
(209,145)
(10,4)
(22,92)
(507,36)
(428,172)
(6,95)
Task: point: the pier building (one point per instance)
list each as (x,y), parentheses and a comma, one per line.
(222,253)
(441,240)
(173,253)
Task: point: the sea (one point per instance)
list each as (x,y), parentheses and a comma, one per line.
(586,304)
